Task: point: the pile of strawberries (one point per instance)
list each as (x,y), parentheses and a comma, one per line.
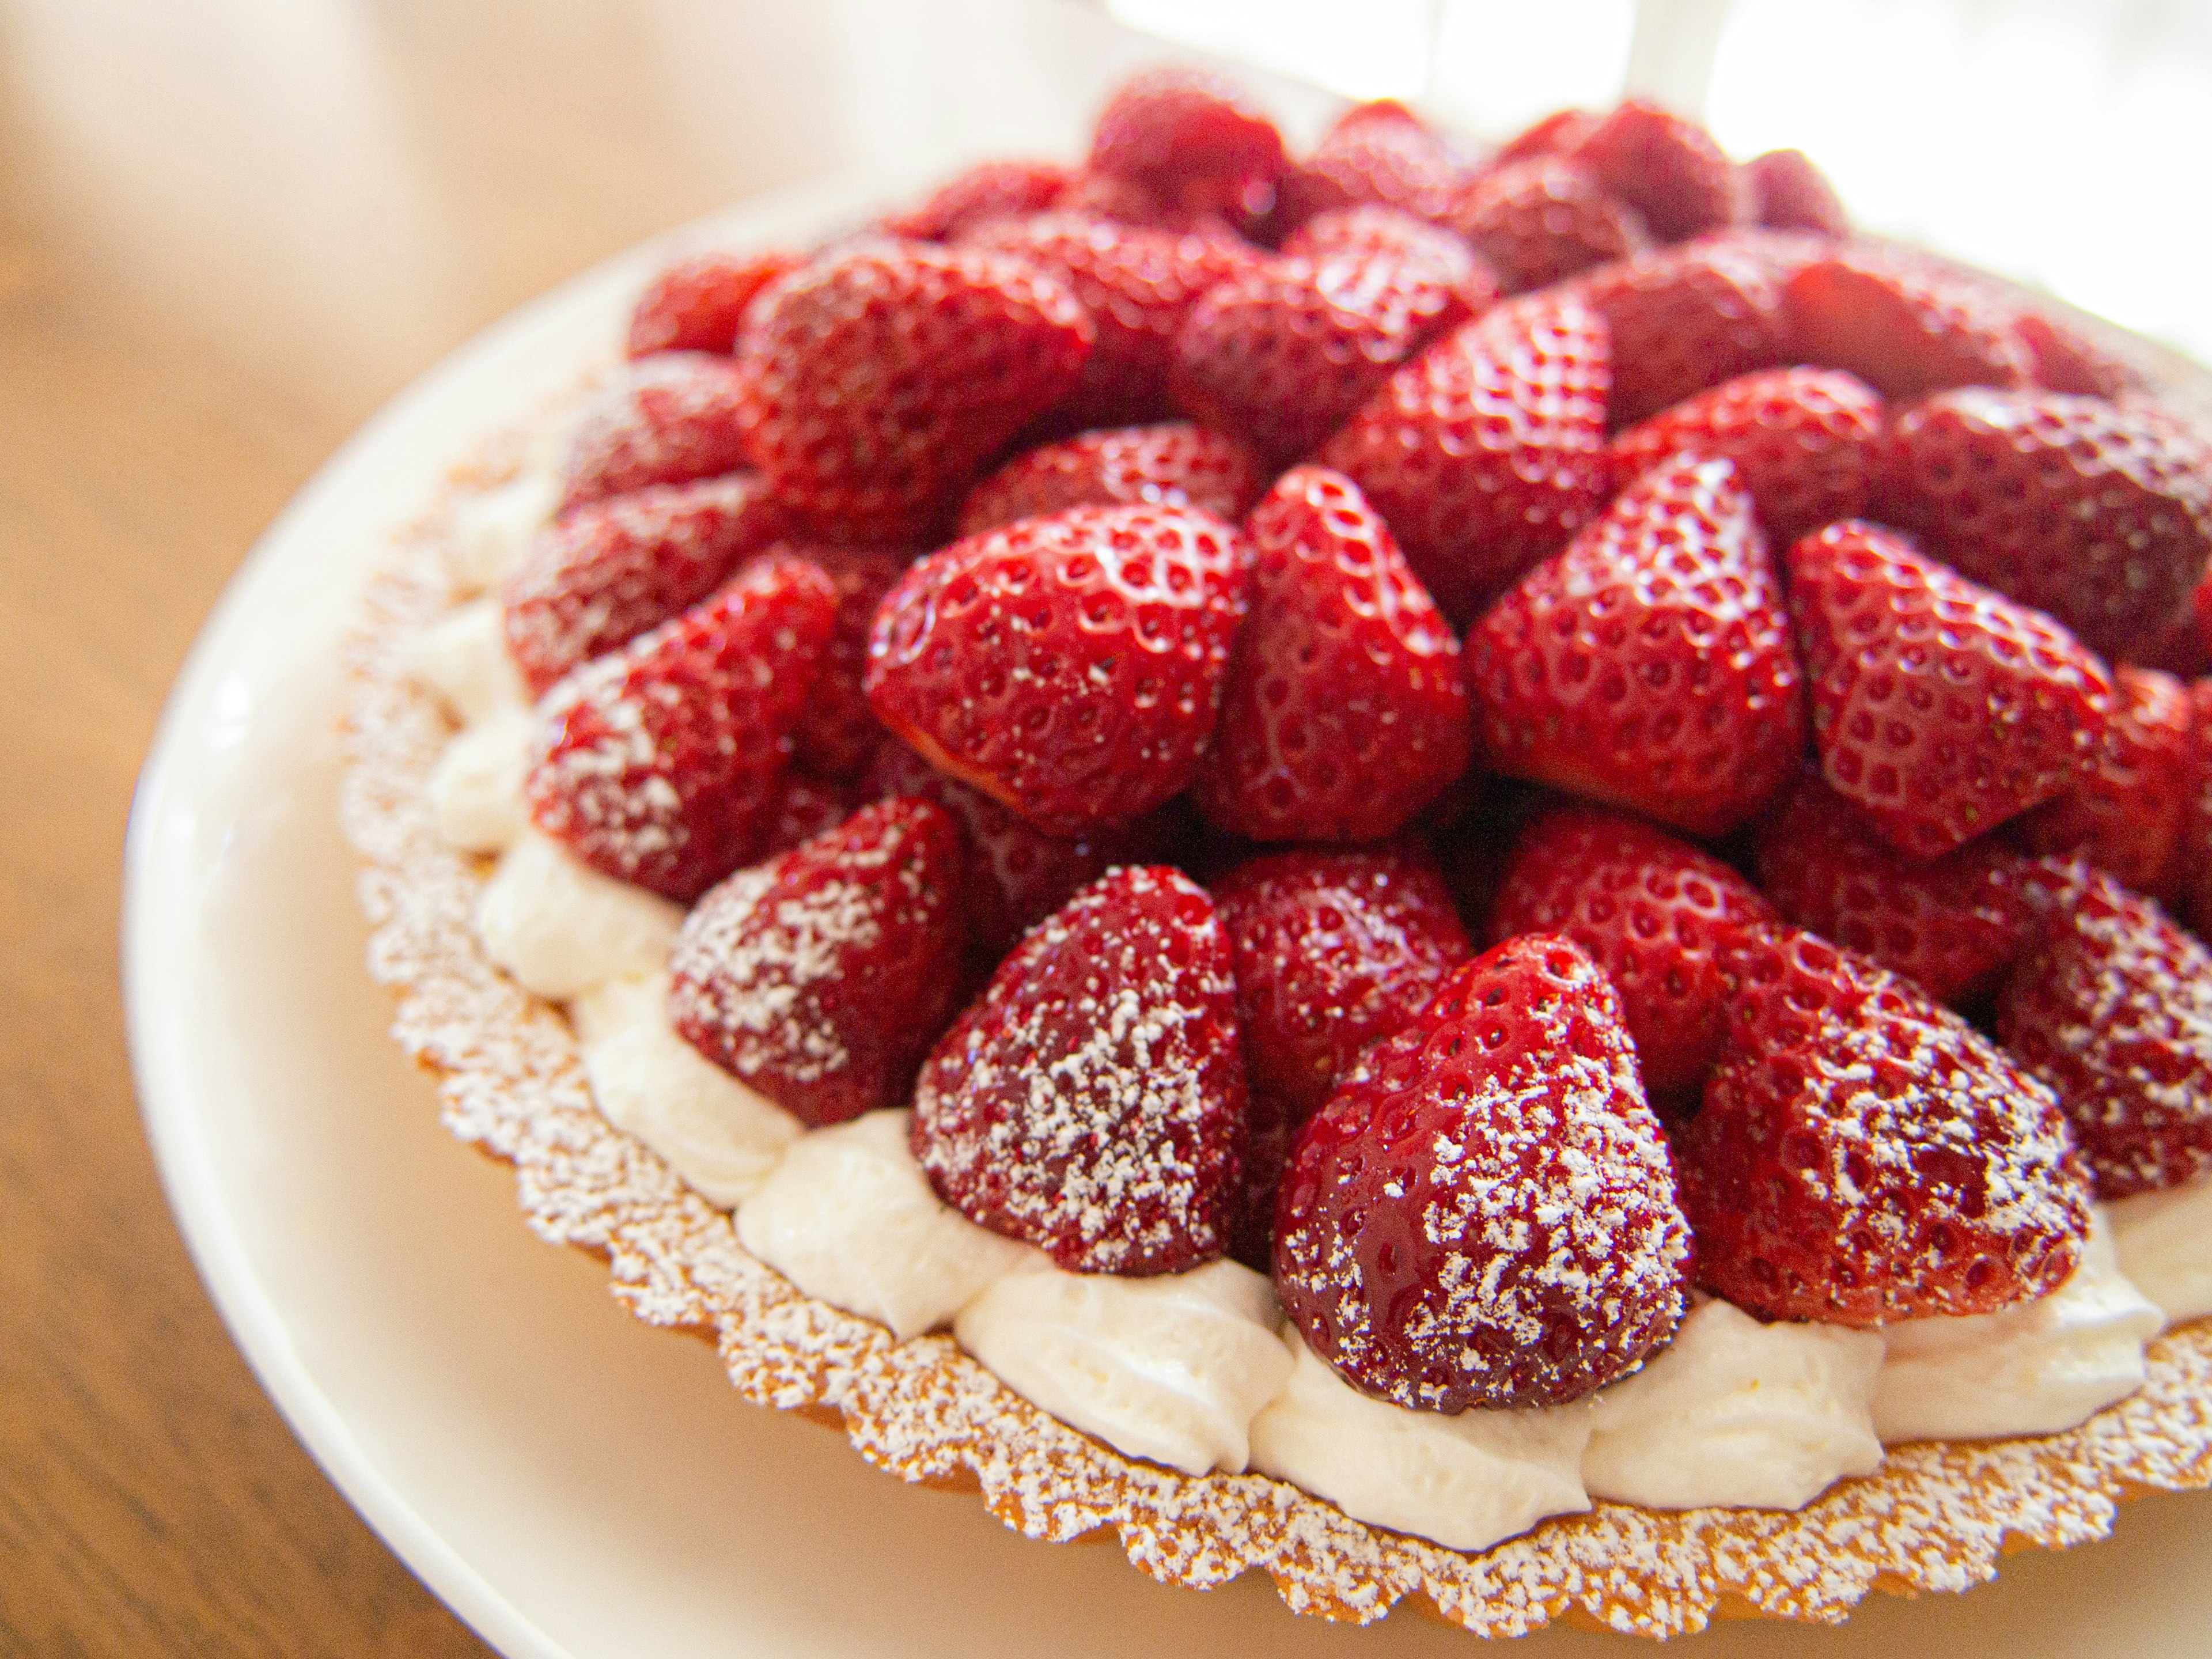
(1100,650)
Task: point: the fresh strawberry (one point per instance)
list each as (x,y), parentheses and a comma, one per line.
(821,977)
(1172,465)
(1487,452)
(697,303)
(1374,229)
(1806,442)
(2196,853)
(1137,283)
(2113,1010)
(667,419)
(659,764)
(1091,1101)
(1906,325)
(1345,710)
(989,189)
(2126,814)
(1484,1214)
(1138,205)
(1538,221)
(1668,169)
(1940,707)
(1952,924)
(1179,128)
(1788,192)
(2063,357)
(1684,319)
(1559,133)
(1380,152)
(1648,665)
(1071,666)
(879,379)
(1653,913)
(2098,513)
(839,733)
(806,807)
(598,578)
(1864,1155)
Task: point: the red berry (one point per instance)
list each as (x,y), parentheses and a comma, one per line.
(1788,192)
(2063,357)
(659,764)
(1904,324)
(1071,666)
(821,977)
(2126,813)
(1684,319)
(1484,1214)
(2195,852)
(668,419)
(1652,913)
(1381,153)
(1376,229)
(804,808)
(1559,133)
(839,732)
(1091,1101)
(1538,221)
(1345,711)
(987,191)
(1172,465)
(1139,205)
(1649,665)
(1173,124)
(697,303)
(1668,169)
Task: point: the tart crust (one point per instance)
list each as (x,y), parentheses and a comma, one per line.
(1935,1516)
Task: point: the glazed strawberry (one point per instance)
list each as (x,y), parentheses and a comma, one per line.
(1071,666)
(1487,452)
(1091,1101)
(1172,465)
(2063,357)
(1940,707)
(1864,1155)
(1175,127)
(609,571)
(1684,319)
(1379,152)
(877,380)
(2113,1010)
(1649,665)
(1138,285)
(659,764)
(2126,813)
(697,303)
(806,807)
(1788,192)
(1375,229)
(1806,443)
(1652,913)
(1484,1214)
(987,191)
(1538,221)
(1668,169)
(839,733)
(1951,924)
(668,419)
(1904,324)
(1345,711)
(2098,513)
(821,977)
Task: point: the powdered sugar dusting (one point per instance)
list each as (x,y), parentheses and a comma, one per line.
(744,975)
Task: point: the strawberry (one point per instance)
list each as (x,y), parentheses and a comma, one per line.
(1374,229)
(1540,220)
(2195,856)
(1091,1101)
(1069,667)
(1138,205)
(1865,1156)
(697,303)
(598,578)
(1952,924)
(1788,192)
(1487,452)
(1668,169)
(1684,319)
(2113,1010)
(1178,128)
(1806,443)
(1484,1214)
(1379,152)
(987,191)
(1652,913)
(879,379)
(821,977)
(838,731)
(2126,813)
(1941,708)
(1345,711)
(659,764)
(806,807)
(2063,357)
(1172,465)
(1559,133)
(2098,513)
(1906,325)
(1648,665)
(667,419)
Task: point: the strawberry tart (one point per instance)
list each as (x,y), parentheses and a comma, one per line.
(1467,878)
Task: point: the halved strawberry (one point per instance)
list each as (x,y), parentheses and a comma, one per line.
(1668,169)
(1683,318)
(1905,324)
(1175,464)
(697,303)
(838,733)
(1182,128)
(2126,814)
(1484,1214)
(1371,228)
(1940,707)
(1538,221)
(1091,1101)
(1071,666)
(1379,152)
(666,419)
(1345,710)
(1649,665)
(989,189)
(659,764)
(1788,192)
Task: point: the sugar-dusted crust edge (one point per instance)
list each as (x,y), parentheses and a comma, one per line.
(1935,1517)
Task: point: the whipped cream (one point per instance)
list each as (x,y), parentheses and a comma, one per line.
(2034,1368)
(494,530)
(475,789)
(848,1217)
(462,657)
(560,929)
(723,1138)
(1465,1481)
(1737,1414)
(2164,1243)
(1170,1368)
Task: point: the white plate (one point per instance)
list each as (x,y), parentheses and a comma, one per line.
(573,1483)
